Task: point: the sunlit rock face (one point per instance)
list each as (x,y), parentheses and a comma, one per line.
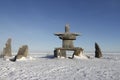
(23,52)
(7,49)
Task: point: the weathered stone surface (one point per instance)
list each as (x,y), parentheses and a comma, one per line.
(67,43)
(63,53)
(7,49)
(59,53)
(67,28)
(55,53)
(77,52)
(23,52)
(98,53)
(67,37)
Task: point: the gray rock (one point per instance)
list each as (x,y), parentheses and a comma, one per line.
(22,52)
(98,53)
(7,49)
(59,53)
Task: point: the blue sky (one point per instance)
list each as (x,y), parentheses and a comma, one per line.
(34,22)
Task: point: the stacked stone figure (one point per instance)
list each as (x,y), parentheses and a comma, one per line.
(98,53)
(67,43)
(7,50)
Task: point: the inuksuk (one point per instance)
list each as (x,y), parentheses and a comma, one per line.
(67,43)
(7,49)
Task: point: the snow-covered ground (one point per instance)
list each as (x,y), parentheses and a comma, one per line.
(41,67)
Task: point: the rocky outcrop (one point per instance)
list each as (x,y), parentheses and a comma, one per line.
(23,52)
(7,49)
(98,53)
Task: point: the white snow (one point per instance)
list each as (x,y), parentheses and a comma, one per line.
(24,58)
(44,67)
(81,56)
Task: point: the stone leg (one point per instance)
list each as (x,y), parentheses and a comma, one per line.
(77,52)
(63,53)
(55,53)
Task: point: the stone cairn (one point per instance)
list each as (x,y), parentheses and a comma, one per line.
(98,53)
(67,43)
(22,52)
(7,49)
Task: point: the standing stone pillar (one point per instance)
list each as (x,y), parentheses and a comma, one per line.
(63,53)
(7,49)
(98,53)
(22,52)
(59,52)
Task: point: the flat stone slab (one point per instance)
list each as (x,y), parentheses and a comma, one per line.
(72,49)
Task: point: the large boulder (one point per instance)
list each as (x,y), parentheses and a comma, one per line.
(23,52)
(98,53)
